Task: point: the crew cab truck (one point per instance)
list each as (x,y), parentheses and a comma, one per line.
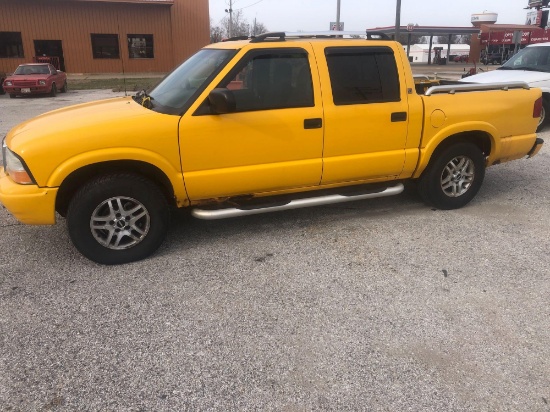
(271,123)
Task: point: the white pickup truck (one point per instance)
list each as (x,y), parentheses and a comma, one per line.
(532,66)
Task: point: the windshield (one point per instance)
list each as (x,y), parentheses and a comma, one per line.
(34,69)
(175,92)
(531,58)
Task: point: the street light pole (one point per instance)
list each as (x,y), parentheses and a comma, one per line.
(230,11)
(230,18)
(397,19)
(338,15)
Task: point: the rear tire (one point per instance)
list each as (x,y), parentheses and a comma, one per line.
(118,218)
(544,114)
(453,177)
(65,87)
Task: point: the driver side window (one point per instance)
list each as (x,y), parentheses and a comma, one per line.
(273,79)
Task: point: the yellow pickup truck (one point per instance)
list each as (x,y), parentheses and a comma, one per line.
(280,121)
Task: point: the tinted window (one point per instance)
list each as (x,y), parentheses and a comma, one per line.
(105,46)
(271,80)
(362,75)
(11,44)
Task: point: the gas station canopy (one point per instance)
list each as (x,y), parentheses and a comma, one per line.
(428,31)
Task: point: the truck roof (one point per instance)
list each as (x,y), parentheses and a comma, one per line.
(278,37)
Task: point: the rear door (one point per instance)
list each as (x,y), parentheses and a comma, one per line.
(366,113)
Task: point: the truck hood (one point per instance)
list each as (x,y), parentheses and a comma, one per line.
(496,76)
(84,130)
(80,119)
(26,77)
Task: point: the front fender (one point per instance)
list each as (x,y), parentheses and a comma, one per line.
(119,153)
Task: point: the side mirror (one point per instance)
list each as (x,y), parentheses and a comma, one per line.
(222,101)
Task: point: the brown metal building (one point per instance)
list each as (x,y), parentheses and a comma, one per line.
(102,36)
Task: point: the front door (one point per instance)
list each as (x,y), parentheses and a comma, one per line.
(273,141)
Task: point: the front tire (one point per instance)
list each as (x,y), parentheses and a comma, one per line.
(65,87)
(118,218)
(12,96)
(53,91)
(453,177)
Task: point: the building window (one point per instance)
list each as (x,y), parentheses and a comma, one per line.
(11,44)
(140,46)
(105,46)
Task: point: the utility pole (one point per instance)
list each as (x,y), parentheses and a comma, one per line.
(397,19)
(338,15)
(230,11)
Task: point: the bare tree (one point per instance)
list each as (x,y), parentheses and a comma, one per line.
(465,39)
(258,28)
(415,38)
(455,39)
(216,33)
(240,27)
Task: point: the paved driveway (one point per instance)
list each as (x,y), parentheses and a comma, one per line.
(374,305)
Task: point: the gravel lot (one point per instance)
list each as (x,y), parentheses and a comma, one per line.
(375,305)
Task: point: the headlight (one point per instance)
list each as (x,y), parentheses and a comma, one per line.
(42,82)
(14,167)
(8,83)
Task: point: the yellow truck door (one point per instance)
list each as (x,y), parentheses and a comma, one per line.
(366,113)
(272,141)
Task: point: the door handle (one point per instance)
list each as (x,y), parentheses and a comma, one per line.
(316,123)
(399,116)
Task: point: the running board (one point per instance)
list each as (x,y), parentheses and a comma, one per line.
(294,204)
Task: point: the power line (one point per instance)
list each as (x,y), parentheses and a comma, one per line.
(250,5)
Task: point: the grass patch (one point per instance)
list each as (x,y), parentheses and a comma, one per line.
(116,85)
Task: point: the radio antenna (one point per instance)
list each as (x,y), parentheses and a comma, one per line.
(121,57)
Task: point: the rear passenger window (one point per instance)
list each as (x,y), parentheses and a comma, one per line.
(362,75)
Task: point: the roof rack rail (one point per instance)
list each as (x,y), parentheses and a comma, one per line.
(238,38)
(276,35)
(282,36)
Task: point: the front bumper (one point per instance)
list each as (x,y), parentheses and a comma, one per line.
(29,204)
(32,89)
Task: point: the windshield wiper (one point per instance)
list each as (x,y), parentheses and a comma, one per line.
(144,99)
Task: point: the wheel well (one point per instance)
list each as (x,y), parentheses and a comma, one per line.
(480,139)
(79,177)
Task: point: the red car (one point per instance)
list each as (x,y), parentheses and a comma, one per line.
(35,78)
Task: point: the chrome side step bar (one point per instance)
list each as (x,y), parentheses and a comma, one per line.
(294,204)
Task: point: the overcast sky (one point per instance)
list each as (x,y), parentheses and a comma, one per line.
(291,15)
